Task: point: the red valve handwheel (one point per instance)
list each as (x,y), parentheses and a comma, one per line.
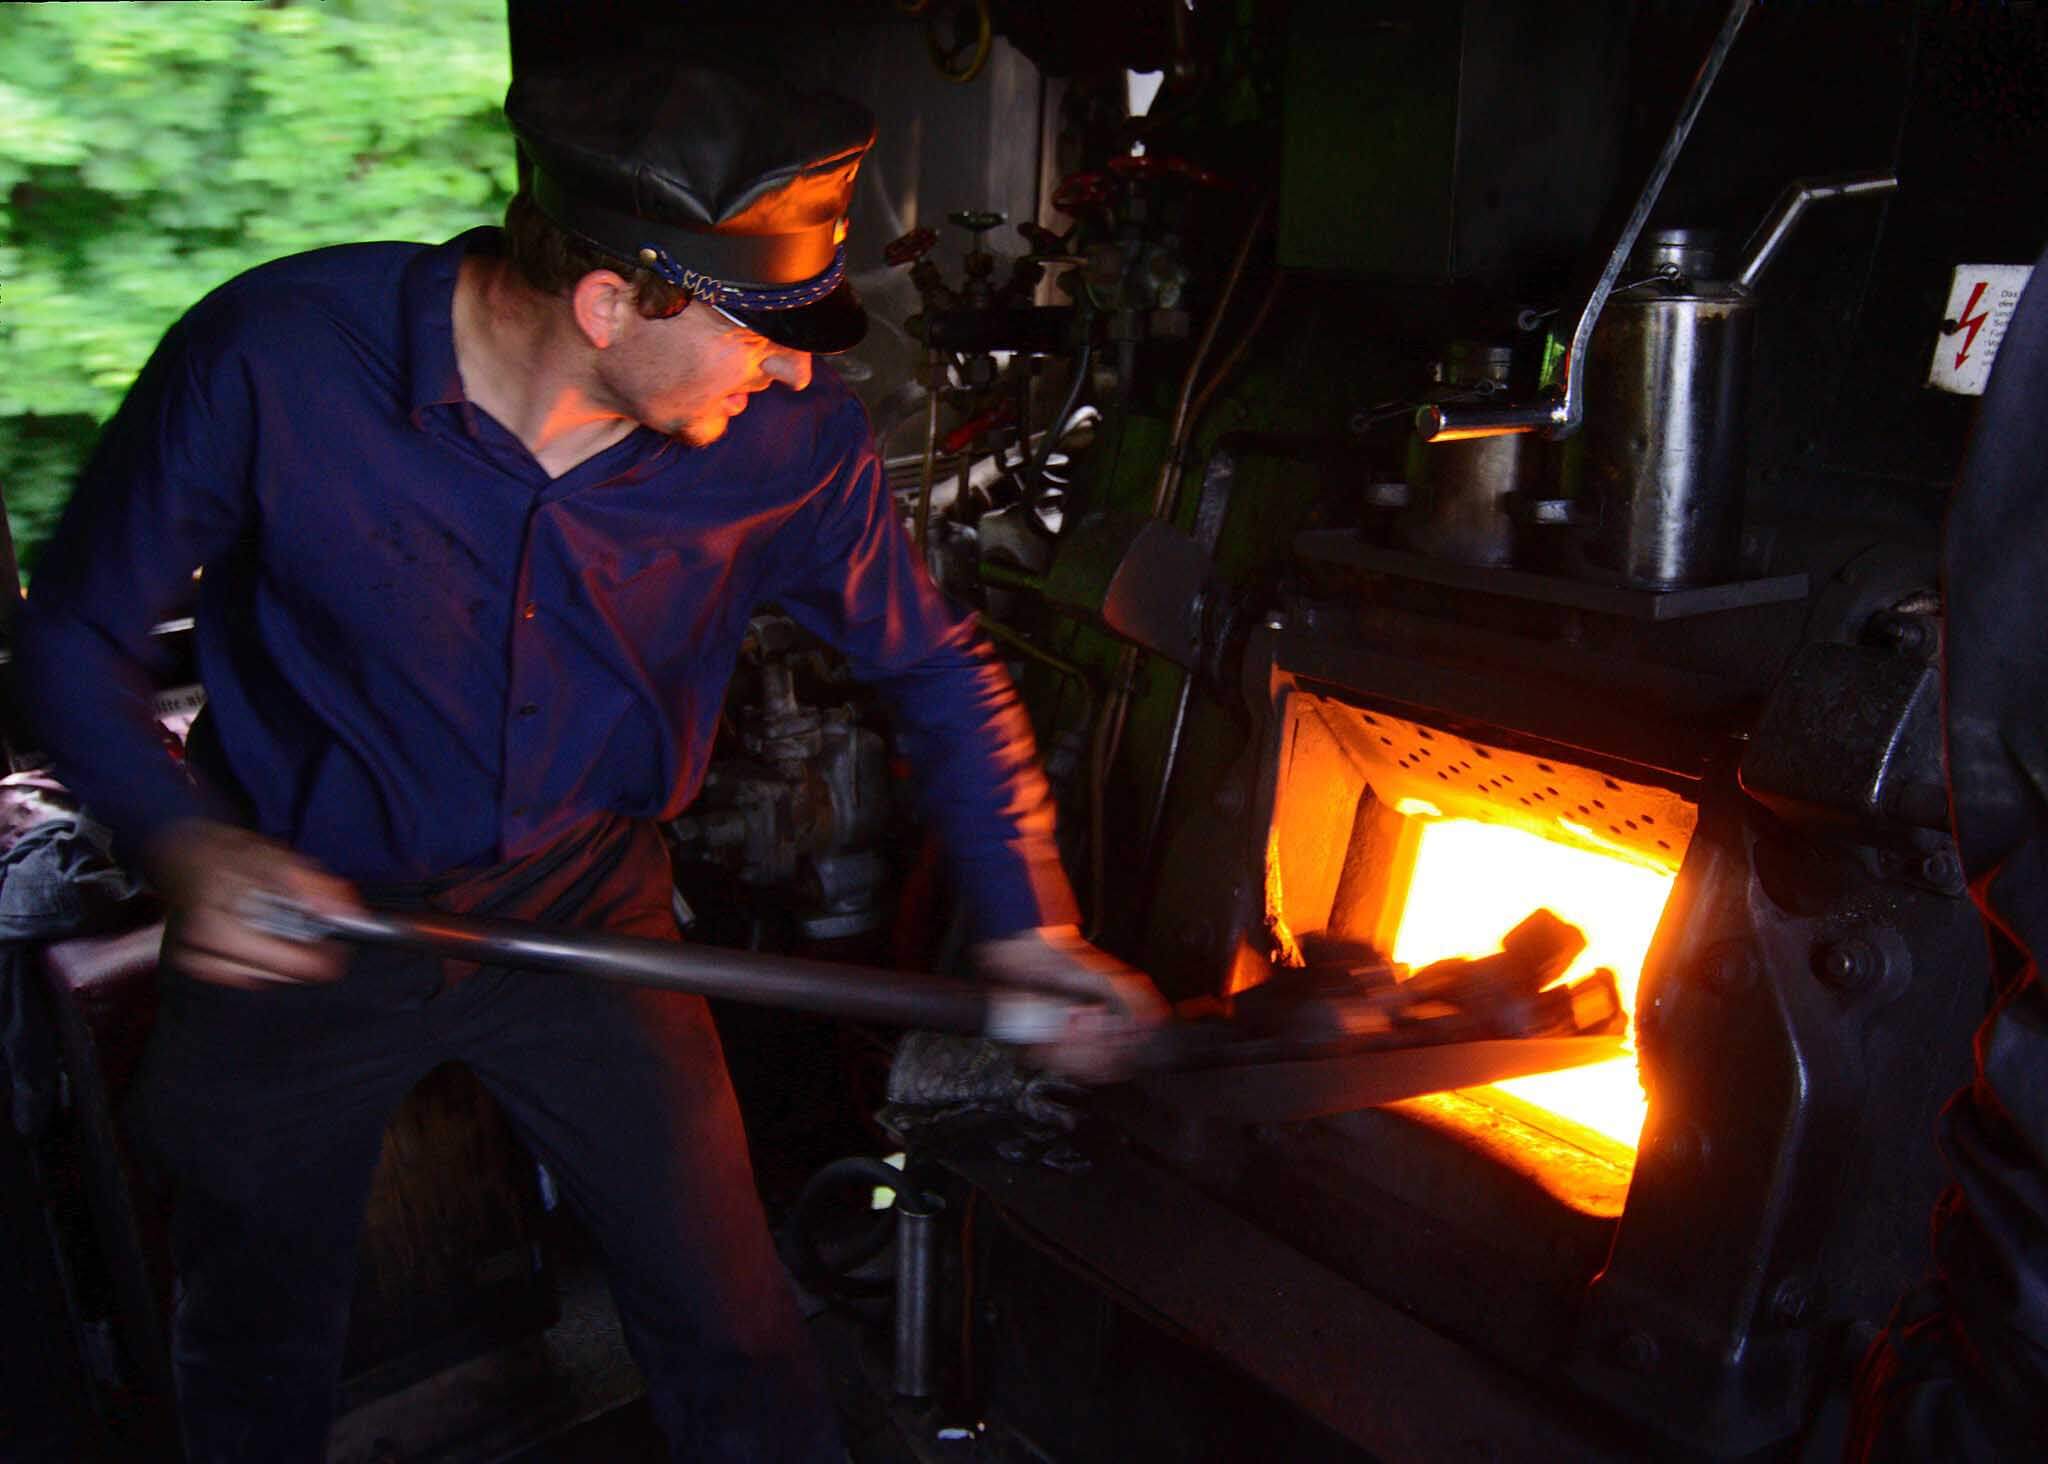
(1079,191)
(913,245)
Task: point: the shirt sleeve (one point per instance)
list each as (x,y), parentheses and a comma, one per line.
(860,588)
(163,493)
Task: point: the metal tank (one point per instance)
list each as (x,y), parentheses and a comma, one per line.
(1459,494)
(1667,381)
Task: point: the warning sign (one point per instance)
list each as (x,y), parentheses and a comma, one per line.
(1980,304)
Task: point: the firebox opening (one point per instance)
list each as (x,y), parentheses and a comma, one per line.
(1428,844)
(1472,881)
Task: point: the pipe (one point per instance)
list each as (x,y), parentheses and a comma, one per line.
(1177,440)
(1231,358)
(1218,479)
(1081,679)
(1109,735)
(1101,753)
(937,366)
(1155,819)
(1018,643)
(1452,423)
(917,1289)
(1033,480)
(856,993)
(1764,244)
(1562,418)
(1008,577)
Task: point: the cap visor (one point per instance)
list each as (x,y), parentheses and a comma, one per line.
(824,328)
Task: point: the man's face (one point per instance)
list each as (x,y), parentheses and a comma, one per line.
(691,374)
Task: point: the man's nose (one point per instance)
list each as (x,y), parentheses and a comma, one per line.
(791,368)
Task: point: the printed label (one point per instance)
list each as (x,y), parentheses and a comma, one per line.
(1980,305)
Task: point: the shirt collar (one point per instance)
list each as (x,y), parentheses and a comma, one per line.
(428,300)
(433,379)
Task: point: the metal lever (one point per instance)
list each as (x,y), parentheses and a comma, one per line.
(858,993)
(1562,417)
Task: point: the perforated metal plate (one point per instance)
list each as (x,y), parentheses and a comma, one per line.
(1418,768)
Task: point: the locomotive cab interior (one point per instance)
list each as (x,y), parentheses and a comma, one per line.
(1459,489)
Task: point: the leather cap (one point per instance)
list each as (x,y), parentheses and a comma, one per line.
(734,188)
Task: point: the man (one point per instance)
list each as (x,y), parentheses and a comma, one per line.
(481,528)
(1961,1372)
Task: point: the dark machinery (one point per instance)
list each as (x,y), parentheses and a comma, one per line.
(1651,579)
(797,810)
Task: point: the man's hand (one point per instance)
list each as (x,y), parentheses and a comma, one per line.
(207,871)
(1118,1008)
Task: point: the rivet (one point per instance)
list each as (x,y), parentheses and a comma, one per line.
(1792,1300)
(1639,1351)
(1649,1017)
(1678,1147)
(649,258)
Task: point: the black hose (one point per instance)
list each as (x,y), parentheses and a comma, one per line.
(832,1276)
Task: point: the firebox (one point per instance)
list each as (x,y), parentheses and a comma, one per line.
(1681,1252)
(1429,843)
(1697,1237)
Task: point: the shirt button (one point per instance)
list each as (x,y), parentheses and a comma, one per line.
(519,810)
(528,710)
(528,610)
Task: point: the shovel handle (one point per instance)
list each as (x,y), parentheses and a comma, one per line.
(857,993)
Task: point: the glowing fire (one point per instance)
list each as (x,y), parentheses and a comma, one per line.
(1474,881)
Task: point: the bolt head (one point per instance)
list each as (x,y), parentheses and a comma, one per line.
(1728,969)
(1849,964)
(1943,870)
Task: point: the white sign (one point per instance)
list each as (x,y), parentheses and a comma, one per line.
(1980,304)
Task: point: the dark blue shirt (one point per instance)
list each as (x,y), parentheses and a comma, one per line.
(422,654)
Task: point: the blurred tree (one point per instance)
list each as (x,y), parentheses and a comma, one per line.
(149,152)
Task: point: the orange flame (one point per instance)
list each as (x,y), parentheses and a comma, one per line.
(1474,881)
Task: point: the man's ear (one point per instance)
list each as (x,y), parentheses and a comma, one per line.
(601,302)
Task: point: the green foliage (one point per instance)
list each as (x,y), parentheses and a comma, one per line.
(150,151)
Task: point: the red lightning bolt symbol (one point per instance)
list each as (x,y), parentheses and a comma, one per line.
(1971,323)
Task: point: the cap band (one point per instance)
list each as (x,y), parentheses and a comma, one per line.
(744,297)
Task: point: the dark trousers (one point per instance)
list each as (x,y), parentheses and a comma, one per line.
(265,1111)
